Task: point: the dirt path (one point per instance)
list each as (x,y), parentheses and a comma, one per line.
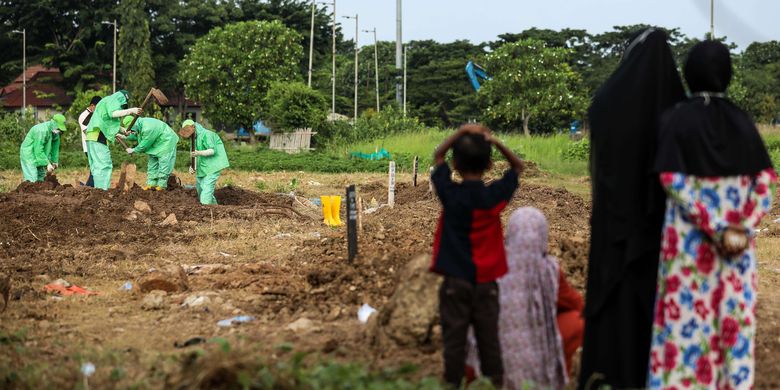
(263,261)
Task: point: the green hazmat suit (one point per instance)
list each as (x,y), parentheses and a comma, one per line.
(209,167)
(158,141)
(101,132)
(39,148)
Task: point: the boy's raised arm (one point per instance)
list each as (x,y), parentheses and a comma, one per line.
(441,152)
(514,161)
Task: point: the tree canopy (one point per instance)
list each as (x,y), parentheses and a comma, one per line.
(230,69)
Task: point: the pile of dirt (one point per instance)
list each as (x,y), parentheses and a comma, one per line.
(235,196)
(64,230)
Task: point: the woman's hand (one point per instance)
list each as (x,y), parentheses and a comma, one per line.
(734,241)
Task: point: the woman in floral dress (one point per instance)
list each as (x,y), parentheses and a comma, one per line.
(719,180)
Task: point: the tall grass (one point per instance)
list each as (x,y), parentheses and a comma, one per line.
(547,152)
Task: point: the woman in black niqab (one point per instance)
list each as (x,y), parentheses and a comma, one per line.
(628,205)
(708,135)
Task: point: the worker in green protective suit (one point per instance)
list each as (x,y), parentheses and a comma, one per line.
(211,159)
(158,141)
(101,132)
(40,150)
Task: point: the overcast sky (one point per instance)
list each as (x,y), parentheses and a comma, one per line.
(742,21)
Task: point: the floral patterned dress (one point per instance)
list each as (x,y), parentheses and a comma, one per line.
(704,329)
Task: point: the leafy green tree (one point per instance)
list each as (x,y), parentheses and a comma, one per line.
(137,69)
(230,69)
(292,106)
(530,81)
(63,34)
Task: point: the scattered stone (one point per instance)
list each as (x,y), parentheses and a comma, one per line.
(171,279)
(334,314)
(142,206)
(132,216)
(170,220)
(61,282)
(155,300)
(409,316)
(196,300)
(301,325)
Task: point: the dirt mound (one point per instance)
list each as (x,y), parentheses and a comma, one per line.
(236,196)
(50,182)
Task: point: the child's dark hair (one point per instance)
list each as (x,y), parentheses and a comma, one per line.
(471,153)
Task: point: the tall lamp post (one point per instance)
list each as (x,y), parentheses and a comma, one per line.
(376,67)
(357,51)
(113,82)
(311,39)
(405,53)
(712,19)
(24,68)
(333,58)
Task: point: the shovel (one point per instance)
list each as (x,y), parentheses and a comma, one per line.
(161,99)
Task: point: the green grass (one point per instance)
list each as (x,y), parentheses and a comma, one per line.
(547,152)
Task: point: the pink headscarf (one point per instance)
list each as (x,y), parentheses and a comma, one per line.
(531,344)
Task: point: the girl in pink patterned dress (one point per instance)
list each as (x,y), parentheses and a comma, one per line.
(719,180)
(531,346)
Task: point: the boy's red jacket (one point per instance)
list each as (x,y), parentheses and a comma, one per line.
(469,242)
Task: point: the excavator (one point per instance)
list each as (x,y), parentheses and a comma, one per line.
(476,72)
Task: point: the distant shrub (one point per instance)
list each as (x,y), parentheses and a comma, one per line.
(577,151)
(293,105)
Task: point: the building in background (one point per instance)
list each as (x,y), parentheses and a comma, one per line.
(44,95)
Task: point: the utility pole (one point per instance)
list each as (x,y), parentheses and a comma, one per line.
(333,65)
(405,52)
(376,67)
(113,83)
(398,49)
(357,51)
(311,39)
(24,69)
(712,19)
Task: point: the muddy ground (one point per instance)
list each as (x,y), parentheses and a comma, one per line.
(264,255)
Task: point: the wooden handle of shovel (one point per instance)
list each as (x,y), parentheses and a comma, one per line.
(135,117)
(192,149)
(122,142)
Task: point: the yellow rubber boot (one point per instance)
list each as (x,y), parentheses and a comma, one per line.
(146,188)
(335,210)
(328,221)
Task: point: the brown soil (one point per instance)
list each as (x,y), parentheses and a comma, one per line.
(276,267)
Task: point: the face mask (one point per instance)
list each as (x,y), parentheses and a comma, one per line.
(55,131)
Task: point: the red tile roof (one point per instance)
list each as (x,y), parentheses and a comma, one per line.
(43,89)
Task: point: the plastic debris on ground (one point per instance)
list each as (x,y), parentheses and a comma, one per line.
(88,369)
(67,291)
(235,320)
(190,342)
(127,286)
(365,312)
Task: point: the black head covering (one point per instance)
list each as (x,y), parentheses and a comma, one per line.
(628,202)
(708,135)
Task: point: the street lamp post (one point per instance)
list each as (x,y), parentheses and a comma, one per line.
(333,59)
(376,67)
(712,19)
(24,68)
(357,51)
(113,77)
(311,39)
(405,52)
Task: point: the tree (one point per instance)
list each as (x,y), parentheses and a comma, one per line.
(230,69)
(75,43)
(292,106)
(530,80)
(135,55)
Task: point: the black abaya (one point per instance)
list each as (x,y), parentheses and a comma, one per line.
(628,205)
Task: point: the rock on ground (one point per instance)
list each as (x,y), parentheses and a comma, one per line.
(410,315)
(142,206)
(171,279)
(155,300)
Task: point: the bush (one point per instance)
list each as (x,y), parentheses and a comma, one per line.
(577,151)
(292,106)
(13,127)
(371,125)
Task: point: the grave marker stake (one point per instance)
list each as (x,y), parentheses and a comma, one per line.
(352,216)
(414,171)
(391,185)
